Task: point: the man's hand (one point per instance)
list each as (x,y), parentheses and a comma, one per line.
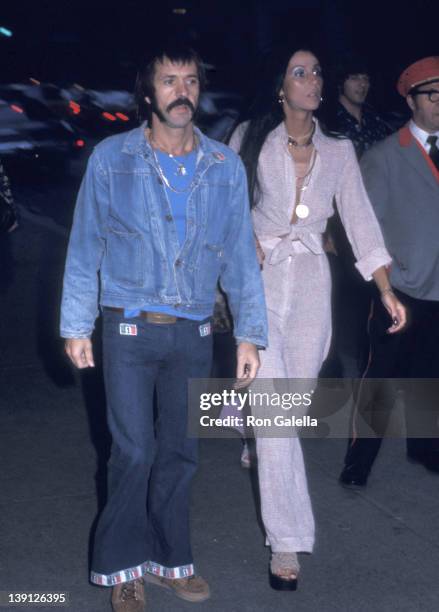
(79,351)
(247,364)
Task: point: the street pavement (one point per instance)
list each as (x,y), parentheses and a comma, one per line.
(377,550)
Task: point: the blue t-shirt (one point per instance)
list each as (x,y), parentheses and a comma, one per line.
(178,202)
(180,182)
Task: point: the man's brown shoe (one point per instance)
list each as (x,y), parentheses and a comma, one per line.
(129,596)
(192,589)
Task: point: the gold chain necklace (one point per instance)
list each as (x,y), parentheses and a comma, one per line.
(181,168)
(292,142)
(165,179)
(302,210)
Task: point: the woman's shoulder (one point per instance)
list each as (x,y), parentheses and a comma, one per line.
(335,144)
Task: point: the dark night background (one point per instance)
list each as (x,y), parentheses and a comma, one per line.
(98,43)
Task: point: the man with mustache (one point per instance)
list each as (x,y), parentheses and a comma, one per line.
(161,216)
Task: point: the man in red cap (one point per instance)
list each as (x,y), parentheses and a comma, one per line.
(401,175)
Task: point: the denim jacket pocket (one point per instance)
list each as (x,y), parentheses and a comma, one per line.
(209,263)
(124,259)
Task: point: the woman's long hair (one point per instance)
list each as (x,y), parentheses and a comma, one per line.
(266,113)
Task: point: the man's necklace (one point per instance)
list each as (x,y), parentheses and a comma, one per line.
(165,179)
(181,168)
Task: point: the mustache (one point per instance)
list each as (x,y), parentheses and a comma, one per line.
(181,102)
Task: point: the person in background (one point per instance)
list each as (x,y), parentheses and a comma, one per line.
(8,210)
(353,117)
(401,175)
(8,223)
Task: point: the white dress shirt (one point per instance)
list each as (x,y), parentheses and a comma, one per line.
(421,135)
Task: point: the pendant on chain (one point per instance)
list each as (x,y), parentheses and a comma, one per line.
(181,168)
(302,211)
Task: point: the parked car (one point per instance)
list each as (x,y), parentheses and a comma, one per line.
(108,112)
(94,113)
(218,114)
(30,133)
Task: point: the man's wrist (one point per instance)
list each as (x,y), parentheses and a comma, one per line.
(248,343)
(259,343)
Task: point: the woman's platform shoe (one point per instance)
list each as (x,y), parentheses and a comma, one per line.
(283,571)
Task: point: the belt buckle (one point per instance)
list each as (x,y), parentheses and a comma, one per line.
(160,318)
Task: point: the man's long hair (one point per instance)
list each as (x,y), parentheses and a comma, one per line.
(349,66)
(177,53)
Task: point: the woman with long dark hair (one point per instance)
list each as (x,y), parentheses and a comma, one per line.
(295,170)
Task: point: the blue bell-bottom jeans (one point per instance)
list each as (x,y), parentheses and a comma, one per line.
(144,526)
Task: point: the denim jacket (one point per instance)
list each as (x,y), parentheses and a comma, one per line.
(124,248)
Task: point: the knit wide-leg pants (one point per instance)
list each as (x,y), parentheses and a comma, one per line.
(299,317)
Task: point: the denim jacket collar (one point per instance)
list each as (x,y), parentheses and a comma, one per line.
(136,144)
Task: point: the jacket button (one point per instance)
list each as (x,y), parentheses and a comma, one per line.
(168,217)
(178,262)
(159,181)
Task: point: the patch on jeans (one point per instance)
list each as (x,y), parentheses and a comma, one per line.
(127,329)
(205,329)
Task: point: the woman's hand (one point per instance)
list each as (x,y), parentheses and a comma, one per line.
(395,309)
(329,244)
(391,303)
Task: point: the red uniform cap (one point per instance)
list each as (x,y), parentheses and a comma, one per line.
(422,71)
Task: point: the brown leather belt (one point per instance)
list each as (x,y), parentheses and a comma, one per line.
(159,318)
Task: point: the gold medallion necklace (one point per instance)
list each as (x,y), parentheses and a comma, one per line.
(301,210)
